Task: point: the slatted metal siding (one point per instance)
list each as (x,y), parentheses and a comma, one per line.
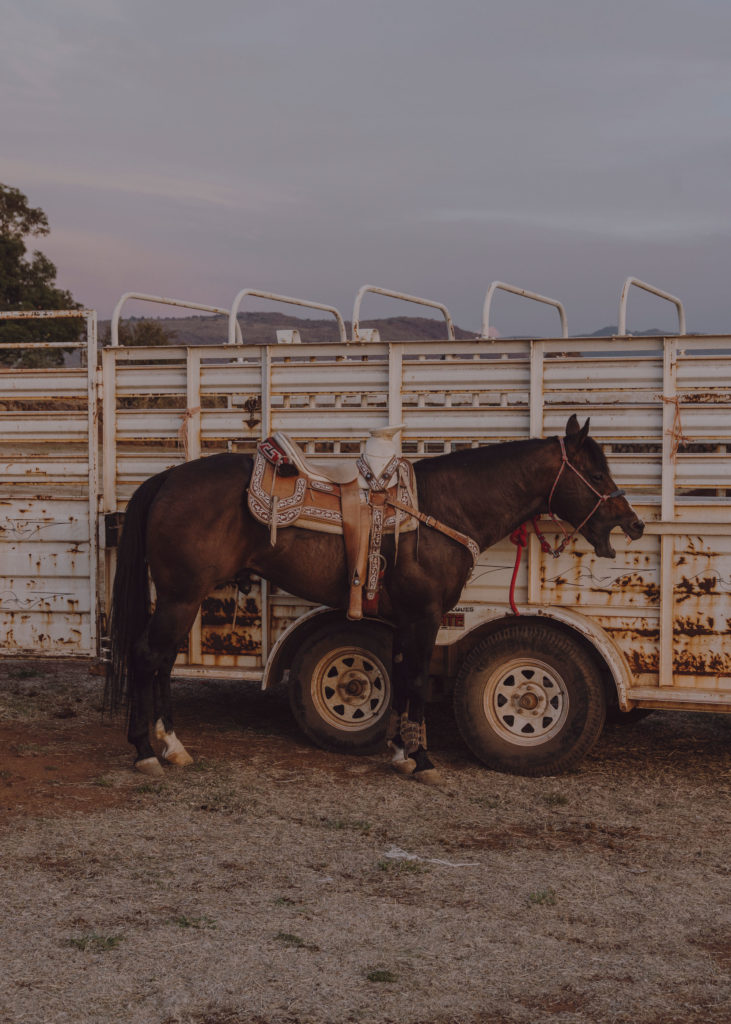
(654,600)
(48,503)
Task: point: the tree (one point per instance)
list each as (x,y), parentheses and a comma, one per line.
(29,283)
(140,333)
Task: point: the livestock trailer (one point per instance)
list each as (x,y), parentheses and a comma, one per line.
(645,630)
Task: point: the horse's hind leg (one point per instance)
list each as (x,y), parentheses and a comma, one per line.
(155,654)
(173,750)
(140,712)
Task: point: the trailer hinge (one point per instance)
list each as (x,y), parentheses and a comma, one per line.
(112,528)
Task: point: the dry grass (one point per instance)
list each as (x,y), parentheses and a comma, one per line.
(256,888)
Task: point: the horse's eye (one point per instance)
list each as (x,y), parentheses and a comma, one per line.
(597,477)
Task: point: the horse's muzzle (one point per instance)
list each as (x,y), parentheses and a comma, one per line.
(634,529)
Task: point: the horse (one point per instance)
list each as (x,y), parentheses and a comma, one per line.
(191,527)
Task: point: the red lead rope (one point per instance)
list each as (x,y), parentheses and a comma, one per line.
(519,537)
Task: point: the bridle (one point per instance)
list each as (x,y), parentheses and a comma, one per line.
(567,537)
(519,536)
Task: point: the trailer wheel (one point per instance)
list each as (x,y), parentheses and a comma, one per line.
(340,687)
(529,700)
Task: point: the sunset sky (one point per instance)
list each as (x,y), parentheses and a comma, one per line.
(192,149)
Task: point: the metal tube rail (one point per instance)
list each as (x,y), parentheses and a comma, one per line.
(622,321)
(47,314)
(500,285)
(232,313)
(163,302)
(405,298)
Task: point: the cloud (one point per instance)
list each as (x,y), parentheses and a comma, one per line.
(244,195)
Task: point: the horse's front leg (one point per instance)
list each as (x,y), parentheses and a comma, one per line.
(413,645)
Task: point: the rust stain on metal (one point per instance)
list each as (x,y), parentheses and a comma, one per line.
(213,642)
(705,397)
(230,626)
(711,664)
(698,586)
(648,633)
(633,581)
(694,627)
(220,611)
(643,661)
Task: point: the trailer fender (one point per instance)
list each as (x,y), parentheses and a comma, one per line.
(589,631)
(284,650)
(600,640)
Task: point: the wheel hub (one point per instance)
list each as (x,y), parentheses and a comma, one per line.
(350,688)
(529,701)
(526,701)
(353,686)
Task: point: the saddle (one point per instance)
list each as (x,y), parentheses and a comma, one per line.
(349,498)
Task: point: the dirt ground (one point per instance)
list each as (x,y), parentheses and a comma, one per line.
(273,883)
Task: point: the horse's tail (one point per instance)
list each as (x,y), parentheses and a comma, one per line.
(130,608)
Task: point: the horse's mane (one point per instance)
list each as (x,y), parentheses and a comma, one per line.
(506,449)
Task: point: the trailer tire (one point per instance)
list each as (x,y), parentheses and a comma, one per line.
(529,700)
(340,687)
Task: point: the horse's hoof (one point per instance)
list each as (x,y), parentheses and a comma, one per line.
(150,766)
(404,766)
(429,776)
(180,758)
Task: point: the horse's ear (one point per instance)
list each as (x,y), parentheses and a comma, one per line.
(577,434)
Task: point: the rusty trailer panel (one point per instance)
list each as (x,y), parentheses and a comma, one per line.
(49,501)
(658,613)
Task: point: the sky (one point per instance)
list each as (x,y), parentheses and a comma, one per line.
(191,149)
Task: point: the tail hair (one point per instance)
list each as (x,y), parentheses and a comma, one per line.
(130,607)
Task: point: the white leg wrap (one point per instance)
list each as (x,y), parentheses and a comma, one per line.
(400,762)
(398,753)
(173,752)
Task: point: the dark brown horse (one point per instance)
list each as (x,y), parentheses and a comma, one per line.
(192,527)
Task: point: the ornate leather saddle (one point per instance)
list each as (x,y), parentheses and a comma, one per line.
(353,499)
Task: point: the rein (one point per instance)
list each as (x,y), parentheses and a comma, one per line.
(519,536)
(434,524)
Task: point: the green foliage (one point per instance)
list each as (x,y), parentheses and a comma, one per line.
(340,824)
(383,976)
(543,898)
(29,283)
(403,867)
(17,218)
(555,799)
(183,921)
(295,941)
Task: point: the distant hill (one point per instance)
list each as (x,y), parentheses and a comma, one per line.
(610,332)
(260,328)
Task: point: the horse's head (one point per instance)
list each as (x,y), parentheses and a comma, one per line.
(586,495)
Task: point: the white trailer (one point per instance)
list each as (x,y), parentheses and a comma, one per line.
(651,625)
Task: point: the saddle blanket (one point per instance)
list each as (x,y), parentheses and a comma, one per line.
(315,504)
